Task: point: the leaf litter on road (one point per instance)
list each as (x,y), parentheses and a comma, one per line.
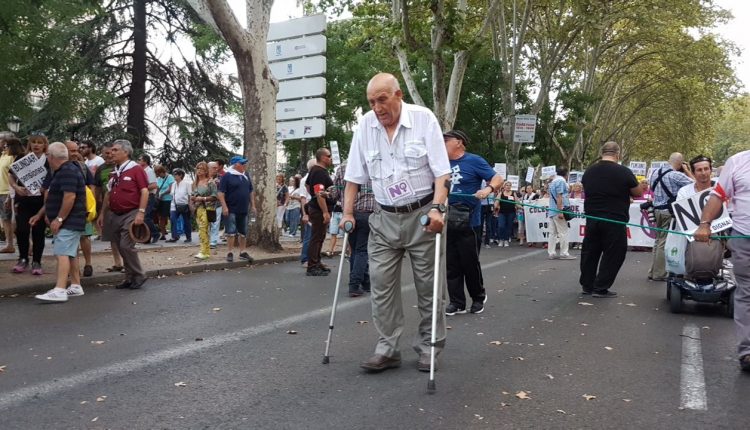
(585,304)
(291,332)
(101,398)
(180,384)
(588,397)
(523,395)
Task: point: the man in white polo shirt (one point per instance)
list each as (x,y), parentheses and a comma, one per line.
(400,148)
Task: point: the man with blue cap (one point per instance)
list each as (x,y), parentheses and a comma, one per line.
(236,197)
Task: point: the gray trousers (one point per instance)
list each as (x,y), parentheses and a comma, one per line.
(741,261)
(659,263)
(391,236)
(119,228)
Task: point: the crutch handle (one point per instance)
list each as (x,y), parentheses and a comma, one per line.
(348,226)
(424,220)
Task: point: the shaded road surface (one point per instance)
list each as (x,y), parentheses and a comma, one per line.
(212,350)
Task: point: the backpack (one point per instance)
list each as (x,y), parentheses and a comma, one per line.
(90,199)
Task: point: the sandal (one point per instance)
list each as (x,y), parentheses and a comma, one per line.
(115,269)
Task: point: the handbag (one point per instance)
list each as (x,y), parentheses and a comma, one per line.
(211,214)
(459,217)
(182,208)
(567,213)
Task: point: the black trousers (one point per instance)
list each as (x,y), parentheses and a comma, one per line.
(26,208)
(359,267)
(318,237)
(604,247)
(462,266)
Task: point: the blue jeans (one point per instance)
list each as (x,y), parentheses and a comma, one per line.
(149,218)
(505,225)
(490,224)
(359,267)
(306,243)
(293,216)
(214,229)
(174,216)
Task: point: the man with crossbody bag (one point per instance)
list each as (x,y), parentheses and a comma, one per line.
(665,184)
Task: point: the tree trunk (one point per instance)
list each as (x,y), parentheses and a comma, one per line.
(136,125)
(259,89)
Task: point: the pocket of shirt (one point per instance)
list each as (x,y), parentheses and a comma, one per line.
(415,154)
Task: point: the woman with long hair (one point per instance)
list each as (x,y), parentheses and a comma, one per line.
(506,213)
(204,199)
(29,202)
(293,213)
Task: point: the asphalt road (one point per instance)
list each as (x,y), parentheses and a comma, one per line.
(212,350)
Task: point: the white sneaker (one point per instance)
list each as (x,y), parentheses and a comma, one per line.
(567,257)
(54,295)
(201,256)
(506,244)
(74,290)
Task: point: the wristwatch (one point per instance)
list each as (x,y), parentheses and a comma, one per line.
(143,211)
(439,207)
(59,219)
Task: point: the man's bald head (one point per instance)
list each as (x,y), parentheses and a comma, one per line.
(610,149)
(676,160)
(384,96)
(383,82)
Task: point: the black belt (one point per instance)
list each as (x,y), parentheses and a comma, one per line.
(405,209)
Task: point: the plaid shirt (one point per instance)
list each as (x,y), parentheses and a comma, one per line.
(365,200)
(672,180)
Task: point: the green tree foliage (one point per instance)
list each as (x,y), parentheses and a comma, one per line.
(733,130)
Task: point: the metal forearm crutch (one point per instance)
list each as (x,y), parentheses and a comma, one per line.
(348,227)
(425,221)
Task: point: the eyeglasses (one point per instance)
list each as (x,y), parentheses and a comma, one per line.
(37,133)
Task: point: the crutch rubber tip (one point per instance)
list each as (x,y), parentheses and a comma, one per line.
(431,387)
(326,360)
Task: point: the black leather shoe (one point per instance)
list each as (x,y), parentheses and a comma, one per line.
(136,285)
(379,363)
(745,363)
(604,294)
(423,365)
(124,284)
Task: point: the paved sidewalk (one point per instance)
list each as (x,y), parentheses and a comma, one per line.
(162,259)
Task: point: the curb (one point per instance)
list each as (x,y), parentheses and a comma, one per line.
(112,278)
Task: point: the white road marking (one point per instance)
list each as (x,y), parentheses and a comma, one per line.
(692,381)
(49,388)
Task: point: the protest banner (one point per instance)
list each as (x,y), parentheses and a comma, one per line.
(548,172)
(687,214)
(524,129)
(537,224)
(529,175)
(335,156)
(30,171)
(574,177)
(514,180)
(638,167)
(501,169)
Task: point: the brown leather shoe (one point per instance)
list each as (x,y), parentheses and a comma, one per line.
(379,363)
(423,365)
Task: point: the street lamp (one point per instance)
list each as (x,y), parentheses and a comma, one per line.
(14,124)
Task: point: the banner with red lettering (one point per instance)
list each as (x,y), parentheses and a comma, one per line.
(537,224)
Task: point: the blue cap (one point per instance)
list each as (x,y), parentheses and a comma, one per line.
(237,159)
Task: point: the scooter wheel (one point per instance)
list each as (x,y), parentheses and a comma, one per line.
(675,299)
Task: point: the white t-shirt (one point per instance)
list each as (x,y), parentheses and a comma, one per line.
(181,192)
(291,203)
(94,163)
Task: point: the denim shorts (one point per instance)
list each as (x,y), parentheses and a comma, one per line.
(235,224)
(66,243)
(5,215)
(333,227)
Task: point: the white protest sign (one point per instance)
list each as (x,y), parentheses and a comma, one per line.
(574,177)
(513,179)
(548,172)
(537,224)
(529,174)
(656,165)
(638,167)
(501,169)
(687,214)
(335,156)
(30,171)
(525,129)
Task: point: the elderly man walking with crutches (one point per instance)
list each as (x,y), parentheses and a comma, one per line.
(400,148)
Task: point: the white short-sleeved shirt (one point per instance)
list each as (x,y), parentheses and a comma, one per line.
(94,163)
(734,187)
(404,171)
